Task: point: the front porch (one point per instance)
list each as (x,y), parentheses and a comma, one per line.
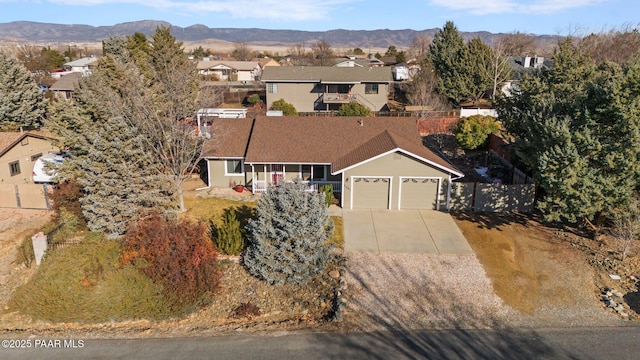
(314,175)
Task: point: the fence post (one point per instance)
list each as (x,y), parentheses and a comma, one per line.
(15,187)
(46,196)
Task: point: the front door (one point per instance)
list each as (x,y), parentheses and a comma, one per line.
(277,173)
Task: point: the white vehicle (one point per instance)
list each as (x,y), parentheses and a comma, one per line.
(43,175)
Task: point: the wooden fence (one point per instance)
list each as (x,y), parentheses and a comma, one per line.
(25,196)
(492,197)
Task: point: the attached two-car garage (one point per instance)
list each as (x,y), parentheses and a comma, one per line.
(414,192)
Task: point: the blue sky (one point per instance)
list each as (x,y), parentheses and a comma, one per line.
(562,17)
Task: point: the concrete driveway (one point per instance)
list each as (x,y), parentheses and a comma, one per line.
(402,231)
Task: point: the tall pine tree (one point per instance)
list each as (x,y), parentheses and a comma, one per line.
(22,103)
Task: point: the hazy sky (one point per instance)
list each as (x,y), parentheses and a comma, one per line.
(529,16)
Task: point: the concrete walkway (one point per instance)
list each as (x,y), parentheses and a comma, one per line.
(402,231)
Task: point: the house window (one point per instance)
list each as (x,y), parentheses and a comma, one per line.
(272,88)
(14,168)
(313,172)
(234,167)
(370,88)
(36,157)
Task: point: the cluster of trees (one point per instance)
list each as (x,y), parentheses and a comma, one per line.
(576,126)
(463,71)
(126,129)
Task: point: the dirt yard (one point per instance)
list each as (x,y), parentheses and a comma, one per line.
(545,273)
(15,225)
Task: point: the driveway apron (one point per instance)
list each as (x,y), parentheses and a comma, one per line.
(402,231)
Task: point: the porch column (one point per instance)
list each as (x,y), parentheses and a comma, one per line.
(253,180)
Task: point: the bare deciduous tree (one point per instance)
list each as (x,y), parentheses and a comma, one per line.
(322,52)
(242,52)
(420,46)
(626,229)
(518,43)
(299,55)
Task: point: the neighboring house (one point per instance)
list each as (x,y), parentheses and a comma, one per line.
(231,70)
(264,62)
(19,151)
(64,87)
(326,88)
(520,66)
(84,65)
(373,162)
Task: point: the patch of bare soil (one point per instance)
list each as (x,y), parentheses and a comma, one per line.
(15,225)
(537,271)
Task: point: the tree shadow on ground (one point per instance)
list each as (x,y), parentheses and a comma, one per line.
(399,329)
(494,220)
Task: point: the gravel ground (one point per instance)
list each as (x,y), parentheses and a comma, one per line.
(405,291)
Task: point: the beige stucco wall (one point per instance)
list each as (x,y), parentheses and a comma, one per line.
(23,154)
(25,196)
(394,165)
(217,177)
(303,96)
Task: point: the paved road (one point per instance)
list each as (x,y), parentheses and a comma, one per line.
(574,343)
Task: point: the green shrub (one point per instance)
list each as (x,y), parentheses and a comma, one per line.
(327,191)
(354,108)
(254,99)
(473,131)
(286,242)
(228,237)
(176,254)
(286,108)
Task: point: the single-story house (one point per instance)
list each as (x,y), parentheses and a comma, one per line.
(64,87)
(84,65)
(372,162)
(19,151)
(231,70)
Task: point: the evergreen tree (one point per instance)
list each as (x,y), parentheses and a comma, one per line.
(22,103)
(473,131)
(287,240)
(121,178)
(577,127)
(476,61)
(447,52)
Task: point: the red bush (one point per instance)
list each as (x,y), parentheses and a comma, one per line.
(67,195)
(179,255)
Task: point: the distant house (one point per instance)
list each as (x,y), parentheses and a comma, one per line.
(19,151)
(326,88)
(376,162)
(84,65)
(64,87)
(522,65)
(264,62)
(231,70)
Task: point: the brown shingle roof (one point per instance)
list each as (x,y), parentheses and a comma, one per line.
(67,82)
(8,139)
(229,138)
(339,141)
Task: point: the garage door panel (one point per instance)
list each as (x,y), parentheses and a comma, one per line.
(418,193)
(371,193)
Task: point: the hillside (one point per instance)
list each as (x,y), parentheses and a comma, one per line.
(24,31)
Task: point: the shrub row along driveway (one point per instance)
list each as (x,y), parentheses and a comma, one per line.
(402,231)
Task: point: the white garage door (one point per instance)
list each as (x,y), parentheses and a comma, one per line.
(370,193)
(418,193)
